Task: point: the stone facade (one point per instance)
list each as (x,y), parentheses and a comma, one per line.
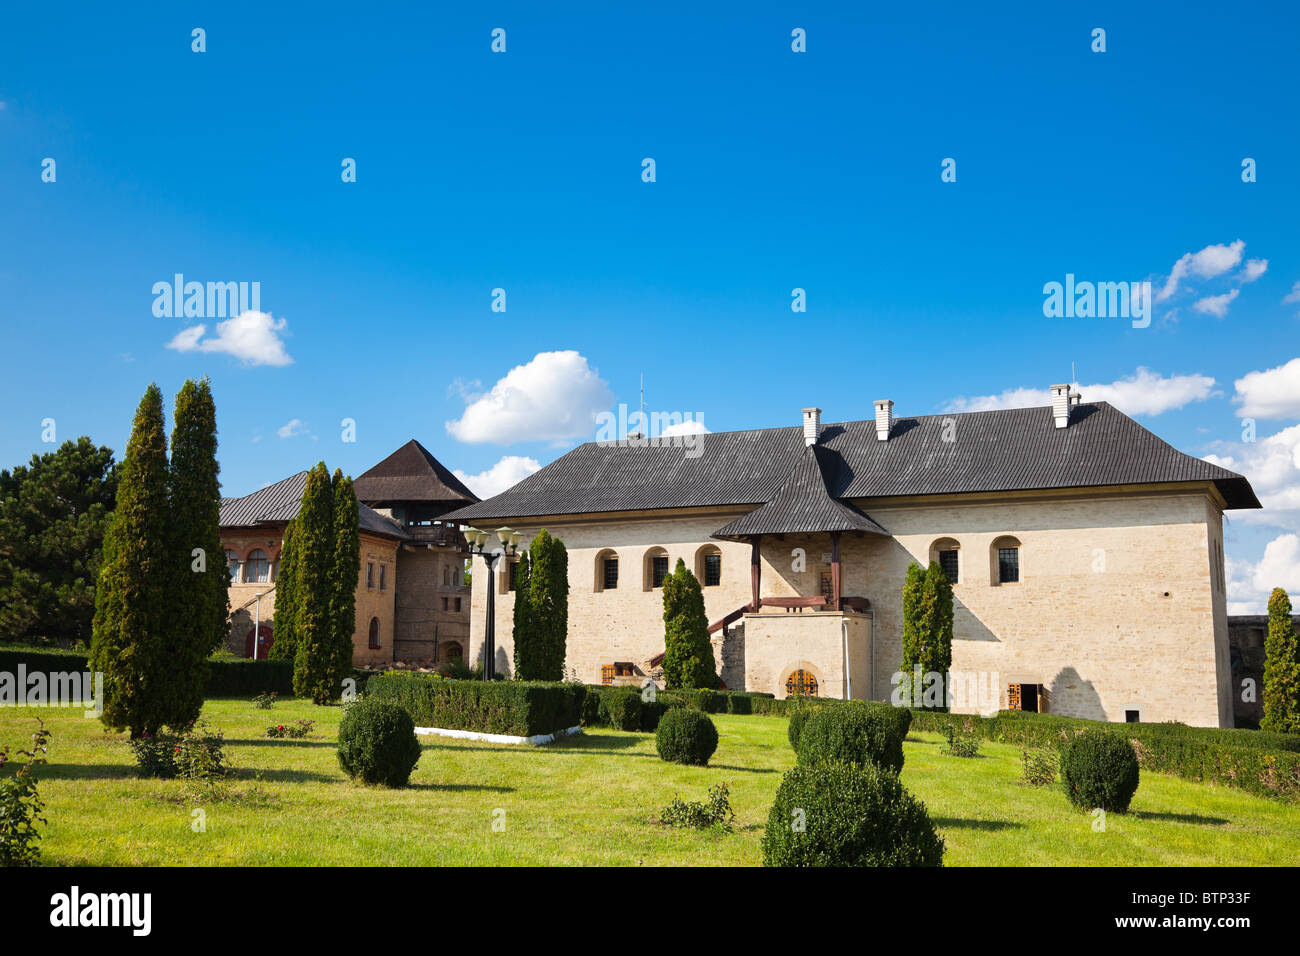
(1120,604)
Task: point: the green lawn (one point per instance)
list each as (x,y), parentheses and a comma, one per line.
(591,799)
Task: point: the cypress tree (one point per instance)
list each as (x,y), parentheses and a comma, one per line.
(314,655)
(936,651)
(130,629)
(688,654)
(198,599)
(913,587)
(1281,668)
(522,632)
(284,624)
(345,575)
(545,627)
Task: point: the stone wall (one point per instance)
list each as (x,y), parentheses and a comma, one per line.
(1119,607)
(429,628)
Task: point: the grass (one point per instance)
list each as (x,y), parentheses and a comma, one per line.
(592,799)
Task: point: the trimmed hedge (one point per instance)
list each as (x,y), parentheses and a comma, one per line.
(1261,763)
(518,708)
(226,678)
(377,742)
(1099,769)
(620,708)
(853,734)
(840,814)
(686,736)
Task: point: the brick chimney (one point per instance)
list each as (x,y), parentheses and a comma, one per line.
(812,425)
(884,419)
(1061,405)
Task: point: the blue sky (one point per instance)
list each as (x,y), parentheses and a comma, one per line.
(775,170)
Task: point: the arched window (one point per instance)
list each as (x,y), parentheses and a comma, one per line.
(232,565)
(948,553)
(708,565)
(1004,560)
(801,683)
(446,577)
(257,569)
(374,632)
(606,572)
(656,568)
(275,569)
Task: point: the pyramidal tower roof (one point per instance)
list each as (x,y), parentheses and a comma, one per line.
(411,474)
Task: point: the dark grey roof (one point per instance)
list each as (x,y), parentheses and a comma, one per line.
(279,503)
(1016,449)
(801,505)
(411,474)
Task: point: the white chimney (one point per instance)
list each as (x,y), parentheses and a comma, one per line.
(812,425)
(1061,405)
(884,419)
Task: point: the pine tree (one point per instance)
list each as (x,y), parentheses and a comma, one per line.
(1281,668)
(198,599)
(548,609)
(913,637)
(53,517)
(522,632)
(131,628)
(345,575)
(284,644)
(314,656)
(688,653)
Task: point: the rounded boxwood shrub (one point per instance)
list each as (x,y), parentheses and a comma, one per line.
(686,736)
(851,733)
(902,719)
(621,708)
(377,742)
(843,814)
(1099,770)
(652,711)
(798,717)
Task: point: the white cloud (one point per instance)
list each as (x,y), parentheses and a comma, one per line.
(553,397)
(1293,295)
(250,337)
(506,473)
(1249,585)
(1143,393)
(1216,305)
(1272,465)
(292,428)
(1209,262)
(1254,269)
(689,427)
(1272,393)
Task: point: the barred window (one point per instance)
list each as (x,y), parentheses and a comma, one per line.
(801,683)
(712,570)
(948,561)
(659,571)
(611,574)
(1008,565)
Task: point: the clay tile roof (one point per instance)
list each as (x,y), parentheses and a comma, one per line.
(1015,449)
(279,503)
(412,474)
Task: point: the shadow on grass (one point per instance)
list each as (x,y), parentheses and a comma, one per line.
(957,823)
(724,766)
(460,787)
(289,776)
(84,771)
(278,742)
(1194,818)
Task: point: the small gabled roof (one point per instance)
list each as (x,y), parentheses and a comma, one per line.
(412,474)
(279,504)
(802,505)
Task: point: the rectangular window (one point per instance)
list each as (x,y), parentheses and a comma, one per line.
(825,584)
(1023,697)
(458,604)
(1131,716)
(370,575)
(444,604)
(948,561)
(383,577)
(712,570)
(658,570)
(611,574)
(511,574)
(607,673)
(1008,565)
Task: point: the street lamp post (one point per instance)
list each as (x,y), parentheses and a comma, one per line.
(257,622)
(476,543)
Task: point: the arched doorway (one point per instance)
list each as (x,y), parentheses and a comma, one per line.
(801,683)
(264,643)
(450,651)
